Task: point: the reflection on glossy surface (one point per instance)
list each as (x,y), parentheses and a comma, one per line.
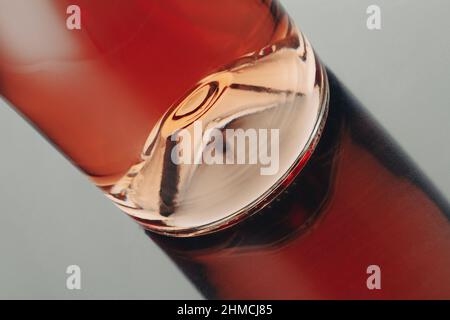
(358,202)
(284,90)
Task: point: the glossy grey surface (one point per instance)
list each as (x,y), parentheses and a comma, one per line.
(52,217)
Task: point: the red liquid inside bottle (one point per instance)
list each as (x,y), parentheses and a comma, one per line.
(97,92)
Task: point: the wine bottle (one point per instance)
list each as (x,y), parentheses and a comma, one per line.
(303,199)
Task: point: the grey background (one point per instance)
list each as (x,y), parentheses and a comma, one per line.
(52,217)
